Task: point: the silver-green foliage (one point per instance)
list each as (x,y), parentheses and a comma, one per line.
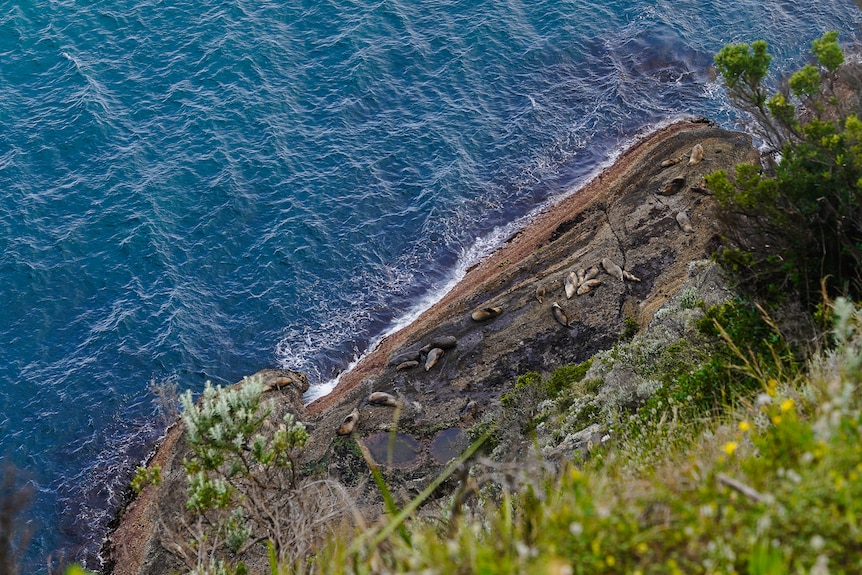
(242,474)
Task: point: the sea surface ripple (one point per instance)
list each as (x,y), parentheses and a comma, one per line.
(197,190)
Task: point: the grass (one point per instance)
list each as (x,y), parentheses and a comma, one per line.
(770,483)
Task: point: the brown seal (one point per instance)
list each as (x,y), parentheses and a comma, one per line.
(382,398)
(684,222)
(348,423)
(540,293)
(486,313)
(559,314)
(588,286)
(696,155)
(433,357)
(410,364)
(571,284)
(674,187)
(406,356)
(630,276)
(442,341)
(612,268)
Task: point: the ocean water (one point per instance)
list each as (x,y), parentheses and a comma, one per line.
(197,190)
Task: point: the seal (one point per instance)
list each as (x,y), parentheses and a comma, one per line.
(673,187)
(382,398)
(348,423)
(592,273)
(433,357)
(560,315)
(406,356)
(469,409)
(612,268)
(486,313)
(571,284)
(540,293)
(410,364)
(630,276)
(442,341)
(696,155)
(671,162)
(588,286)
(684,222)
(280,382)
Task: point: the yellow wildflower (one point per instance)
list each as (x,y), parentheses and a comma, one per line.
(770,387)
(744,426)
(730,447)
(786,405)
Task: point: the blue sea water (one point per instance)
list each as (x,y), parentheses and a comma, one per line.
(194,190)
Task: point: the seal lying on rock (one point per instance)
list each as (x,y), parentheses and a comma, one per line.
(559,314)
(588,286)
(349,423)
(571,284)
(696,155)
(382,398)
(433,357)
(674,187)
(612,268)
(404,357)
(410,364)
(630,276)
(443,342)
(540,293)
(486,313)
(684,222)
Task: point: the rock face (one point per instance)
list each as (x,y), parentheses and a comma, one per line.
(625,215)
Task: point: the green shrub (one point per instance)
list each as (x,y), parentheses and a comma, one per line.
(813,199)
(567,376)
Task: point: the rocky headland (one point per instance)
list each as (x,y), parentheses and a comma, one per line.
(647,225)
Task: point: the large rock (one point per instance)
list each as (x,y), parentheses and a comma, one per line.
(628,214)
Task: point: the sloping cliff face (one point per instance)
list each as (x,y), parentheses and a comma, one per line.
(628,215)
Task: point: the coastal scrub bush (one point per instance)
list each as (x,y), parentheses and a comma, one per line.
(244,487)
(812,198)
(772,486)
